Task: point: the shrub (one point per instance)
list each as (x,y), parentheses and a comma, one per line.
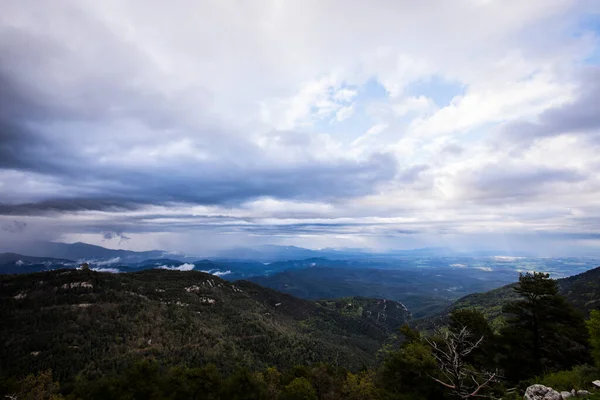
(299,389)
(577,378)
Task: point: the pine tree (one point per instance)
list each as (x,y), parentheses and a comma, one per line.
(543,333)
(593,325)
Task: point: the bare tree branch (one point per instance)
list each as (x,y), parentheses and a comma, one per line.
(450,354)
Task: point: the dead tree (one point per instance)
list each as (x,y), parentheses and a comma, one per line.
(456,375)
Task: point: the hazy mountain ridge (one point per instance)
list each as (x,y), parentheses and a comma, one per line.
(427,284)
(87,252)
(263,253)
(273,259)
(22,259)
(13,263)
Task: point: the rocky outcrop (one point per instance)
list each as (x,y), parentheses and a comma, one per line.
(541,392)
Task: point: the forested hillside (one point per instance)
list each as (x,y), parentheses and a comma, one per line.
(425,291)
(582,291)
(90,323)
(159,334)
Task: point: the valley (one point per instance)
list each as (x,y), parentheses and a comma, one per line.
(425,280)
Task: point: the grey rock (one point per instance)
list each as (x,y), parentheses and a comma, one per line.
(566,395)
(583,393)
(541,392)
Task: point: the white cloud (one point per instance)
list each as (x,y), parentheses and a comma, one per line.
(217,272)
(182,267)
(109,270)
(344,112)
(371,132)
(111,261)
(419,105)
(396,71)
(345,95)
(376,129)
(488,105)
(315,101)
(506,258)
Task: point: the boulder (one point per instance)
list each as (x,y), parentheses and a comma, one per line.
(541,392)
(583,393)
(566,395)
(596,383)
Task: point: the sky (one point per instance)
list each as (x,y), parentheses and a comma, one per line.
(199,125)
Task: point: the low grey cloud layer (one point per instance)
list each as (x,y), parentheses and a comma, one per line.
(189,126)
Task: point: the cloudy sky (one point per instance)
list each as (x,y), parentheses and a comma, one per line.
(195,125)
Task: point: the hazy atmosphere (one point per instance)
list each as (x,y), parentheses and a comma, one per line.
(193,126)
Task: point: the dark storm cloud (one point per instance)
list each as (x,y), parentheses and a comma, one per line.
(578,117)
(115,235)
(14,226)
(62,107)
(210,184)
(501,182)
(125,225)
(67,205)
(23,150)
(91,185)
(49,73)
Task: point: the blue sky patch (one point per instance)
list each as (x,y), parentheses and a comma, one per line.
(440,90)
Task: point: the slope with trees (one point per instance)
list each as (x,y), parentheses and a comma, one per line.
(544,340)
(85,322)
(582,291)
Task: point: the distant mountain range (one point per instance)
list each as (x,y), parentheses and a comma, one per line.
(12,263)
(282,253)
(88,252)
(263,253)
(427,280)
